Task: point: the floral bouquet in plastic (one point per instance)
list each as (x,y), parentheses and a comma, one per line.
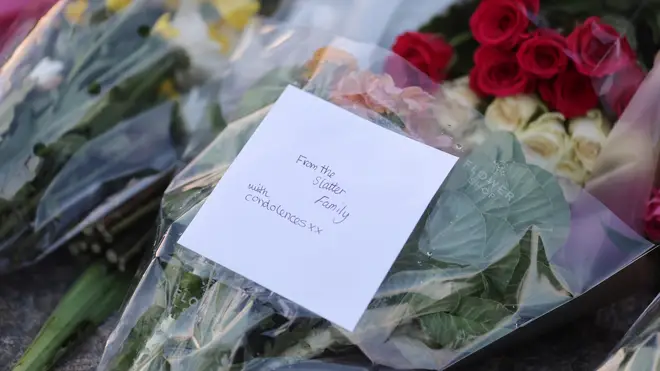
(497,247)
(94,104)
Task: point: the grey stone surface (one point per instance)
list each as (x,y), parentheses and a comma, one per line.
(27,297)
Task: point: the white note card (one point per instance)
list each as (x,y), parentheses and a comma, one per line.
(317,205)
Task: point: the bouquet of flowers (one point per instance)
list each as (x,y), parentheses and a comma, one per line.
(499,246)
(94,115)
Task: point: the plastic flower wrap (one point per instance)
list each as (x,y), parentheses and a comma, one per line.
(497,249)
(581,65)
(97,105)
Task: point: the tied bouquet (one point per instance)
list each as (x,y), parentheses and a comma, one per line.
(92,116)
(499,247)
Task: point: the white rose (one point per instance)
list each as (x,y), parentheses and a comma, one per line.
(512,113)
(459,90)
(588,134)
(570,167)
(456,110)
(545,140)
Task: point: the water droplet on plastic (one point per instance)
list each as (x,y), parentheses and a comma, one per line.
(459,146)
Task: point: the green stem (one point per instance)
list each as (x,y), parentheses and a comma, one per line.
(94,296)
(460,39)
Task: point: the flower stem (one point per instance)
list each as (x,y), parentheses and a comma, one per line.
(460,39)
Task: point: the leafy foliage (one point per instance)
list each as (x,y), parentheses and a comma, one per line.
(475,267)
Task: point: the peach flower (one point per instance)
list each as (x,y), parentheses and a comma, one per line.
(329,55)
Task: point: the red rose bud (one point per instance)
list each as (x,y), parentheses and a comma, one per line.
(501,23)
(598,49)
(497,73)
(429,53)
(570,93)
(543,55)
(618,90)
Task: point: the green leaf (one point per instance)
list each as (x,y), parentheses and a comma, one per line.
(512,290)
(267,89)
(501,274)
(88,303)
(473,318)
(540,290)
(489,201)
(453,21)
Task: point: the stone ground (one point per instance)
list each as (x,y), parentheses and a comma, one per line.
(27,297)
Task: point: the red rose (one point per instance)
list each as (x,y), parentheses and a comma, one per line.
(501,23)
(652,218)
(543,55)
(497,73)
(431,54)
(570,93)
(599,50)
(621,88)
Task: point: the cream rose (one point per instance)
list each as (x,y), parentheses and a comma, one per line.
(545,140)
(588,134)
(512,113)
(570,167)
(456,107)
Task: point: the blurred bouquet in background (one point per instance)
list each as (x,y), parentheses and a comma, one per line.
(92,107)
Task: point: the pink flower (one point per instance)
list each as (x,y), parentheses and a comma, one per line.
(414,100)
(379,94)
(366,90)
(365,93)
(652,218)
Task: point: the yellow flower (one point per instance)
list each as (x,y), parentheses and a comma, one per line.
(75,11)
(512,113)
(218,34)
(237,13)
(163,26)
(168,90)
(171,4)
(332,55)
(589,133)
(117,5)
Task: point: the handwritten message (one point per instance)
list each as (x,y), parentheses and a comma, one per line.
(329,197)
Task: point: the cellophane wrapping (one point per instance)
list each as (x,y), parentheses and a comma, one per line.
(503,242)
(98,106)
(638,350)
